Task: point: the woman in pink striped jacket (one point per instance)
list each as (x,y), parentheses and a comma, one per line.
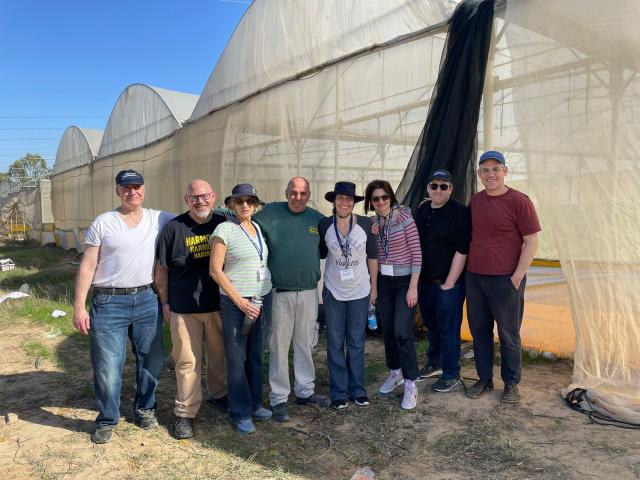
(399,262)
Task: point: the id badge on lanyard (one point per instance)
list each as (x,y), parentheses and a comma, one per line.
(263,273)
(346,273)
(386,270)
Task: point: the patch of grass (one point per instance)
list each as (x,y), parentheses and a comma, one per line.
(421,349)
(48,271)
(531,357)
(36,350)
(39,310)
(608,449)
(373,369)
(487,450)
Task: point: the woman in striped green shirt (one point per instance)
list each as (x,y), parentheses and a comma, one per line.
(239,266)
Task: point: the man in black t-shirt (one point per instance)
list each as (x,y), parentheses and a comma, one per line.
(191,304)
(444,227)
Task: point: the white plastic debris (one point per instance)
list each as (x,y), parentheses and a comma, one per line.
(364,473)
(58,313)
(468,355)
(11,418)
(14,295)
(53,333)
(7,264)
(24,288)
(548,355)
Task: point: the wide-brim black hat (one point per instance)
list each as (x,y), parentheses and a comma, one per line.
(343,188)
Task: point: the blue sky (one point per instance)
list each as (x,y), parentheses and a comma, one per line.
(65,62)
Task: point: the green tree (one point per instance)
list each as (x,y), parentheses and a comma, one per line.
(29,167)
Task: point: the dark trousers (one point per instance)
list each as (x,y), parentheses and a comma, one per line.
(397,324)
(442,316)
(244,358)
(346,323)
(489,298)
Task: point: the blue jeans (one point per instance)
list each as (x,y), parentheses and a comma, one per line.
(442,316)
(345,321)
(489,298)
(397,324)
(244,357)
(113,319)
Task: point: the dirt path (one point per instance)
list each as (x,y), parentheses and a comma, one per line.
(446,437)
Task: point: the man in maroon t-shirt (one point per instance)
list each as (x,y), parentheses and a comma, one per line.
(504,239)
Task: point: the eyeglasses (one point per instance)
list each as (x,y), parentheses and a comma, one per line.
(381,198)
(248,201)
(203,196)
(443,186)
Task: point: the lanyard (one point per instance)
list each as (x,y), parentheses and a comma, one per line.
(383,233)
(345,248)
(259,248)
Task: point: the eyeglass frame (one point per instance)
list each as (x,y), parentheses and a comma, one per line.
(205,197)
(442,186)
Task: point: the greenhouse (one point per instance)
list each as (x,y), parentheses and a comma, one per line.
(335,90)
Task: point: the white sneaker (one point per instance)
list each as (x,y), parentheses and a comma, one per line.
(410,398)
(395,380)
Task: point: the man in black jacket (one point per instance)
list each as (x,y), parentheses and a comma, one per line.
(444,227)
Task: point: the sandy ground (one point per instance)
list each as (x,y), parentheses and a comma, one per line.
(446,437)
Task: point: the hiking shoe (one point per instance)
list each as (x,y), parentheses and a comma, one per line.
(245,426)
(410,399)
(362,401)
(429,371)
(479,388)
(510,394)
(314,399)
(183,428)
(340,404)
(145,419)
(221,403)
(444,386)
(280,412)
(102,434)
(393,380)
(262,413)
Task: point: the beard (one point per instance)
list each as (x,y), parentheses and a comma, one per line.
(201,214)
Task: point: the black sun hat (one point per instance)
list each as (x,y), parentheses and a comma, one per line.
(343,188)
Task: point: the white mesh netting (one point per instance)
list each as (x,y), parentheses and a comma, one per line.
(562,101)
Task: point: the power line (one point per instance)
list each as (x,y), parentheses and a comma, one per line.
(28,138)
(52,116)
(31,128)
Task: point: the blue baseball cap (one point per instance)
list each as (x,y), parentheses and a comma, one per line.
(441,175)
(129,177)
(492,154)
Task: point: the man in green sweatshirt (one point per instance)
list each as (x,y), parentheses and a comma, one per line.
(291,231)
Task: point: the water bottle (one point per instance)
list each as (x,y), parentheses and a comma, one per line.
(248,322)
(372,321)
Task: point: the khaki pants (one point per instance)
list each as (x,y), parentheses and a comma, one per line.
(293,321)
(187,334)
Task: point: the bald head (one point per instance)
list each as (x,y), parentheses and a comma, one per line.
(200,198)
(198,186)
(298,194)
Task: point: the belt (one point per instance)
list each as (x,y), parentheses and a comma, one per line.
(436,282)
(283,290)
(121,291)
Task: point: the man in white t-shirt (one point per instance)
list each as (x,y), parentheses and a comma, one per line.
(118,260)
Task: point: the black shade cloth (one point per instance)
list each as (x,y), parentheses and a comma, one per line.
(449,136)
